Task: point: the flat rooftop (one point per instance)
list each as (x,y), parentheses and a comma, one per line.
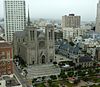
(10,81)
(4,44)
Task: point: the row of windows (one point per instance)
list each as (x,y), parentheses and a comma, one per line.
(32,35)
(5,62)
(14,2)
(5,73)
(19,40)
(51,35)
(4,53)
(17,24)
(15,7)
(86,64)
(15,11)
(16,20)
(21,16)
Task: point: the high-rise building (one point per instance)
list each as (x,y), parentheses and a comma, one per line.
(71,21)
(15,17)
(98,18)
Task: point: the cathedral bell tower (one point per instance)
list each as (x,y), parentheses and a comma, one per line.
(49,34)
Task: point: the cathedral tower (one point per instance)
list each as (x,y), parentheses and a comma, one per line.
(49,34)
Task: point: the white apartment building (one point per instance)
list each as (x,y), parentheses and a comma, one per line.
(15,17)
(2,83)
(71,21)
(71,33)
(10,81)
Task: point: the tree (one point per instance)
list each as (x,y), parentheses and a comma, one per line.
(97,70)
(79,67)
(91,72)
(71,43)
(53,77)
(81,73)
(55,63)
(70,74)
(43,78)
(62,74)
(34,80)
(54,85)
(50,82)
(25,72)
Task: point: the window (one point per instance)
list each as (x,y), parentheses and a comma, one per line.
(32,35)
(3,57)
(19,50)
(8,62)
(3,63)
(8,54)
(23,40)
(51,35)
(18,40)
(33,62)
(3,53)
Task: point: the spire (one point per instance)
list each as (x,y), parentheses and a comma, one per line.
(28,22)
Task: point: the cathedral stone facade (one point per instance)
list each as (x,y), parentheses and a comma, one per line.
(35,46)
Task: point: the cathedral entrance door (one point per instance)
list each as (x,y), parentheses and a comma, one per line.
(43,59)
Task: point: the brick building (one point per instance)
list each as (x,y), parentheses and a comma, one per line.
(6,60)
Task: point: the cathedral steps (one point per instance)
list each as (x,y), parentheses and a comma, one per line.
(42,70)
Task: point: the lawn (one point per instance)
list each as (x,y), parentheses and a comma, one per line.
(40,85)
(56,84)
(65,82)
(96,80)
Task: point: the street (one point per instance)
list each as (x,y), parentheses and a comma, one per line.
(20,77)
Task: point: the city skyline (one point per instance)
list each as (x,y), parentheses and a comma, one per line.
(56,9)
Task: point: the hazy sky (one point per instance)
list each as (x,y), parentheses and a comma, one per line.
(57,8)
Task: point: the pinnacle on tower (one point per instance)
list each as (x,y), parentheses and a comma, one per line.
(28,22)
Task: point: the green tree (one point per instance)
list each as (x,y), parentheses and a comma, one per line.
(70,74)
(50,82)
(62,74)
(54,85)
(81,73)
(53,77)
(71,43)
(55,63)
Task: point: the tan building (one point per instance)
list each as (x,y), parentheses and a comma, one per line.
(71,33)
(35,46)
(98,18)
(70,21)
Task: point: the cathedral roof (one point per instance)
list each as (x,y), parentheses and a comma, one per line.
(85,59)
(20,34)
